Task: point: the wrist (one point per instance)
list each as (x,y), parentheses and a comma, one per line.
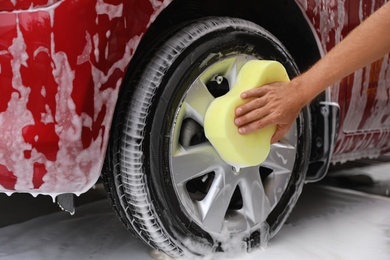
(308,85)
(302,97)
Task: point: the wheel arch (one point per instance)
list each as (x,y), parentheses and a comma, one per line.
(283,18)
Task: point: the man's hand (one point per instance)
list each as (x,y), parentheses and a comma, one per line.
(275,104)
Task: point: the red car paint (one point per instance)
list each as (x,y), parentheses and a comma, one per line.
(364,100)
(62,63)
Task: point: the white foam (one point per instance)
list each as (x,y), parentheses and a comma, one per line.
(110,10)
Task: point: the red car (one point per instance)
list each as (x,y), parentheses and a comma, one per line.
(119,89)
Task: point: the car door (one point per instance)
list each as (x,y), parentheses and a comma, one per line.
(367,100)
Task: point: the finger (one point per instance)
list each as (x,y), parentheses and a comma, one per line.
(255,92)
(279,133)
(250,106)
(255,125)
(252,116)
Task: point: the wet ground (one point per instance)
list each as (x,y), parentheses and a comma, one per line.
(345,216)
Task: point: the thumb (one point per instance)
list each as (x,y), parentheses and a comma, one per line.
(281,130)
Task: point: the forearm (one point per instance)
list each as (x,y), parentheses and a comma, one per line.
(367,43)
(279,103)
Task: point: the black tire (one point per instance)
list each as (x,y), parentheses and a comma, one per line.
(140,172)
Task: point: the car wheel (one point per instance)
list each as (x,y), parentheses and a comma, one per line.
(165,180)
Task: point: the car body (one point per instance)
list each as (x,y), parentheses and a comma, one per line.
(62,127)
(64,65)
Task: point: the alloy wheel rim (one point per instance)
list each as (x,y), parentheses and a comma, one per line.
(212,193)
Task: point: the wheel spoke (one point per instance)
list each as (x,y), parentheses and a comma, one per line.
(194,162)
(235,67)
(275,185)
(281,161)
(281,158)
(290,139)
(256,206)
(213,208)
(198,100)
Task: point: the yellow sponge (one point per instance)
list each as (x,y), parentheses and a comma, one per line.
(242,150)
